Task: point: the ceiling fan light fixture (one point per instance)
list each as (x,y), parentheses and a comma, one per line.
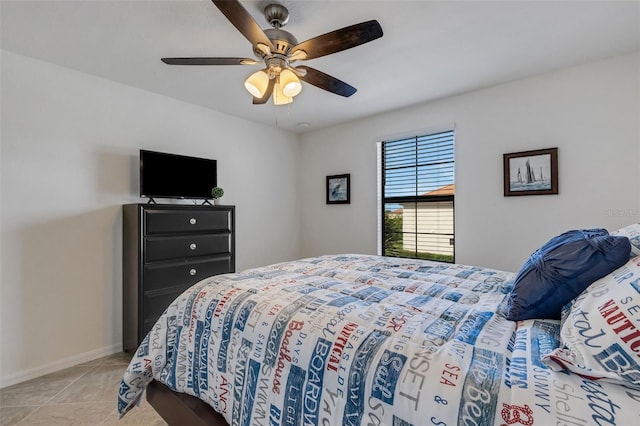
(257,83)
(279,98)
(290,83)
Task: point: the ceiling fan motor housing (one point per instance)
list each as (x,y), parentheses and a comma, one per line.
(277,15)
(281,40)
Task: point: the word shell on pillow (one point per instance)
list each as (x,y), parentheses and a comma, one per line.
(600,334)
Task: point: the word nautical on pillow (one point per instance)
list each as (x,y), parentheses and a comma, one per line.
(600,330)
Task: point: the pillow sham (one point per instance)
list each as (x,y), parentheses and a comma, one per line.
(600,334)
(561,269)
(632,232)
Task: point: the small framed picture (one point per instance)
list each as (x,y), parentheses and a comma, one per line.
(531,172)
(338,191)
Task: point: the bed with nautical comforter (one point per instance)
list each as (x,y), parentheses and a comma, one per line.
(357,339)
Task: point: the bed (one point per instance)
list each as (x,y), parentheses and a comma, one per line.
(359,339)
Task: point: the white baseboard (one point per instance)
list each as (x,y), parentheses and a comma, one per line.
(32,373)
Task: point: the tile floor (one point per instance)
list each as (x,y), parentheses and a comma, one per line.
(84,395)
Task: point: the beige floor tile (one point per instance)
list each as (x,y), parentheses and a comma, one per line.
(98,385)
(90,364)
(10,416)
(82,395)
(144,415)
(40,390)
(120,358)
(68,373)
(69,415)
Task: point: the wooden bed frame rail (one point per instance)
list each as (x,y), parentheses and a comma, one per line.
(179,409)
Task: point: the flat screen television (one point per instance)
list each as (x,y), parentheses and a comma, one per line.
(164,175)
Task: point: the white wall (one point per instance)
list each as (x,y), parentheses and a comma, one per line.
(69,161)
(69,150)
(591,113)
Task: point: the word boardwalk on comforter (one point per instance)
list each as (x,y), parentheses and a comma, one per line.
(366,340)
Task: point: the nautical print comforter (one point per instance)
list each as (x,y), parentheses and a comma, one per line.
(353,339)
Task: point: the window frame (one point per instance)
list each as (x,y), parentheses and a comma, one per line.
(417,199)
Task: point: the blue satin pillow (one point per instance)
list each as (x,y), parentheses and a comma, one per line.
(562,269)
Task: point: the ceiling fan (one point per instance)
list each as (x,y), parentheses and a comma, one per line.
(278,49)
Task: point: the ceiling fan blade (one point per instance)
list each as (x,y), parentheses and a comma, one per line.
(243,21)
(267,94)
(339,40)
(209,61)
(326,82)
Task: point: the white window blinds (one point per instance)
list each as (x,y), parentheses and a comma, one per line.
(418,190)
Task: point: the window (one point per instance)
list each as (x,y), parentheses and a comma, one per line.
(418,197)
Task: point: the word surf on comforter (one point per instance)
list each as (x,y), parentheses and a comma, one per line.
(366,340)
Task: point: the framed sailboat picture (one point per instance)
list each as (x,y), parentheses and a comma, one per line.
(531,172)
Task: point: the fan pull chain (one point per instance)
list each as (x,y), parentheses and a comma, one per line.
(275,113)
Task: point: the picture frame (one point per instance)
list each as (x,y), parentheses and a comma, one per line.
(339,189)
(531,172)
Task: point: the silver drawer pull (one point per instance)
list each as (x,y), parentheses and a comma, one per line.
(193,246)
(192,221)
(192,271)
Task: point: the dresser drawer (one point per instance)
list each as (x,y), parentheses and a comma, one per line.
(162,221)
(154,305)
(157,277)
(166,248)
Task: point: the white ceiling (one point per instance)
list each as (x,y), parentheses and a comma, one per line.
(430,49)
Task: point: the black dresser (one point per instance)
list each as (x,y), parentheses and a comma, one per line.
(167,249)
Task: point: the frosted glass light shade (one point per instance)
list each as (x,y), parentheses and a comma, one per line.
(279,98)
(290,83)
(257,83)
